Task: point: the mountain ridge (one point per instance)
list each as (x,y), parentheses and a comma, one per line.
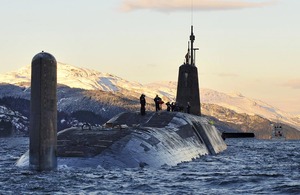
(88,79)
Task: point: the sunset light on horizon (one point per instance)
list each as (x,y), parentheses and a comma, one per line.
(251,47)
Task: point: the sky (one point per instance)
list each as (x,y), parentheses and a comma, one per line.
(250,47)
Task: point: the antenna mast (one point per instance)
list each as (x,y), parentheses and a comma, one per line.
(192,36)
(192,12)
(192,39)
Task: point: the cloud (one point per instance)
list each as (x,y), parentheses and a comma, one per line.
(185,5)
(294,84)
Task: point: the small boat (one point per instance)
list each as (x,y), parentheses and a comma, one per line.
(277,132)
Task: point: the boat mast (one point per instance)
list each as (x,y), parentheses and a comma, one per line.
(192,39)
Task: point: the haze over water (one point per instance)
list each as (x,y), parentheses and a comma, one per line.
(248,166)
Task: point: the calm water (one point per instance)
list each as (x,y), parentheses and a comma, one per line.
(248,166)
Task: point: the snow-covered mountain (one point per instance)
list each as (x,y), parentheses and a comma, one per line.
(94,80)
(87,79)
(242,104)
(74,77)
(234,101)
(18,121)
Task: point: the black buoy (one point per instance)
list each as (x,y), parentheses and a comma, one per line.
(188,85)
(43,113)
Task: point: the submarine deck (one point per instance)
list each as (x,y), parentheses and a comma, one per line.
(80,142)
(130,139)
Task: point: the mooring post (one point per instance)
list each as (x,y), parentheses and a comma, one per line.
(43,113)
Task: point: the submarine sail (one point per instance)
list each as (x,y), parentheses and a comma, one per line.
(188,84)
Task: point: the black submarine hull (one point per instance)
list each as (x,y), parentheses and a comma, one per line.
(130,140)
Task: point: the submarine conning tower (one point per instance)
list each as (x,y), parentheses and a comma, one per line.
(188,85)
(43,113)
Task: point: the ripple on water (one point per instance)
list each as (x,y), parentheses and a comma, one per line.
(246,167)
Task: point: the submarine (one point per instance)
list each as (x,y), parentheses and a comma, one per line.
(127,140)
(131,140)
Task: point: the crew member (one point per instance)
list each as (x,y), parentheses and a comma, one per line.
(157,101)
(143,104)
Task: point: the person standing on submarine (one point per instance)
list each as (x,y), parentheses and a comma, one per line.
(157,101)
(188,108)
(143,104)
(168,106)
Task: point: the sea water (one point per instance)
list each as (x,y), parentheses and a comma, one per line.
(248,166)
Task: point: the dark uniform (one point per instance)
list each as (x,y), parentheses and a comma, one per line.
(188,107)
(157,101)
(143,104)
(168,106)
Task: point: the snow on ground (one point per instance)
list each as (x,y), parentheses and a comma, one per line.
(76,77)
